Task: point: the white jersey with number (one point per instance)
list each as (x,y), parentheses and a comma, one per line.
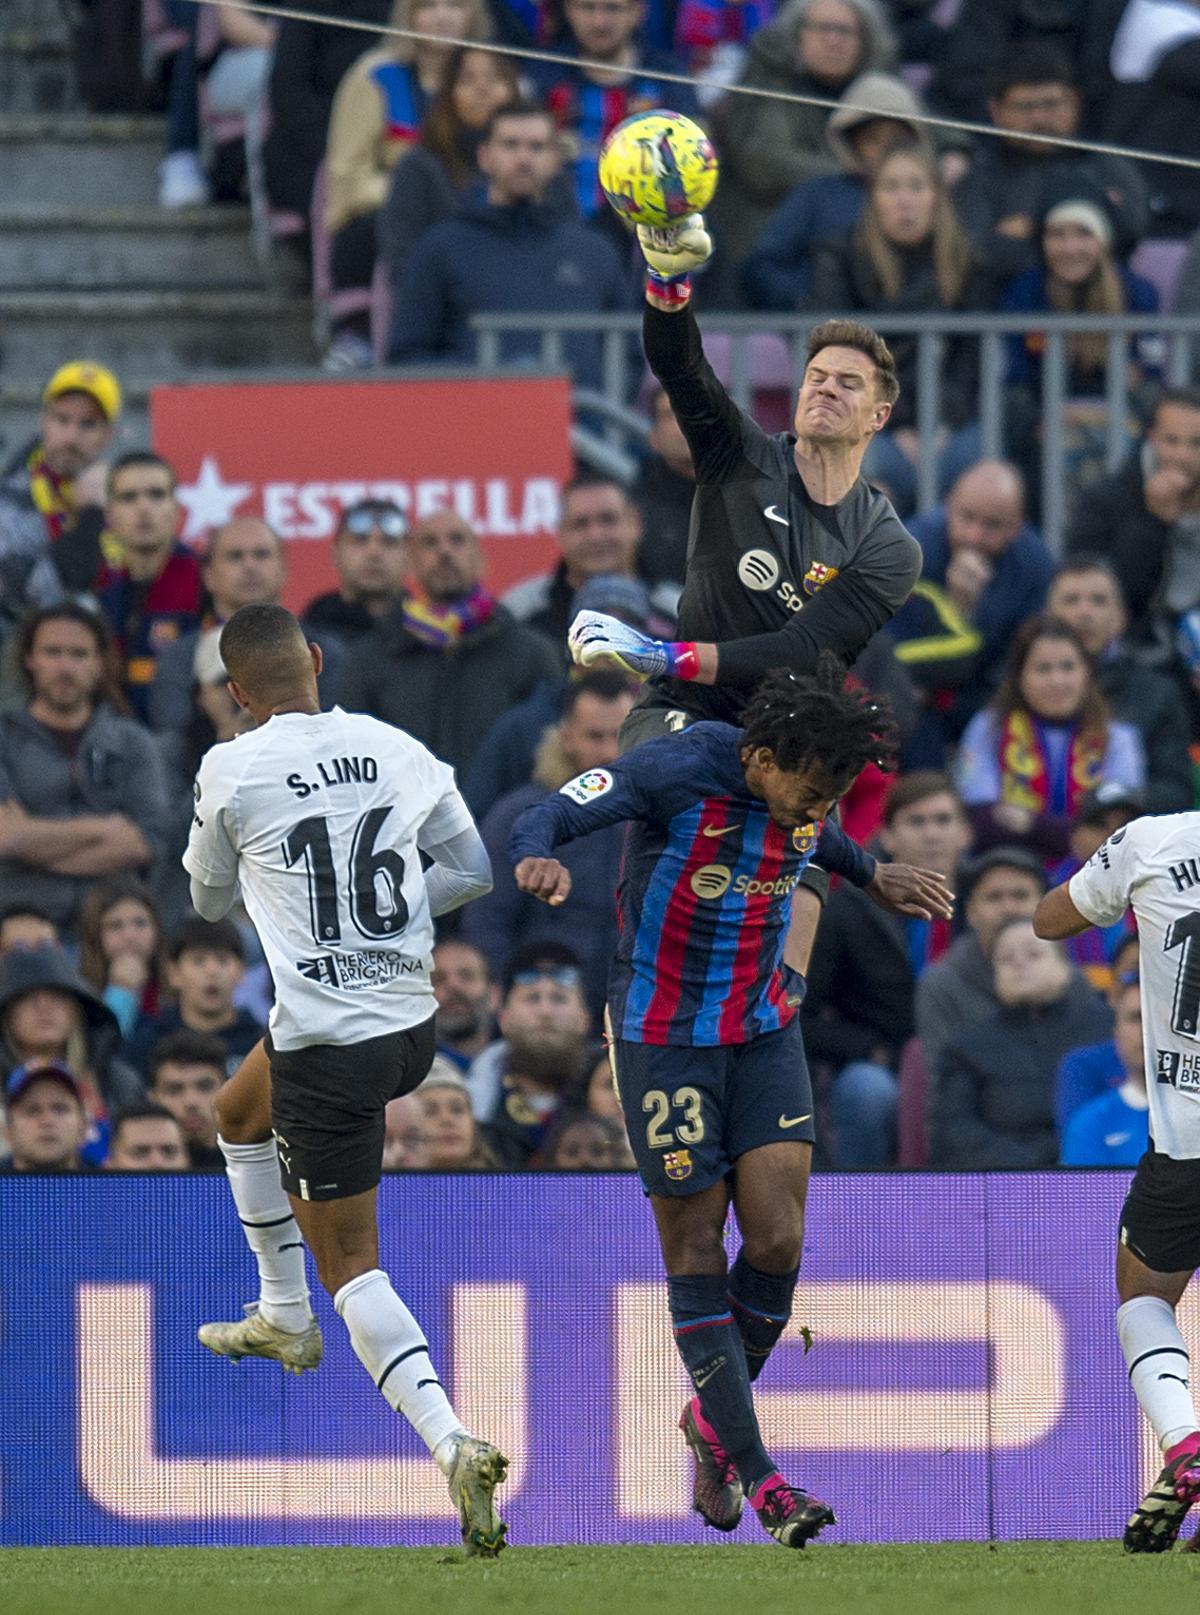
(320,818)
(1153,867)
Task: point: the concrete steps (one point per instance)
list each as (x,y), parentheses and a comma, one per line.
(35,58)
(91,267)
(127,248)
(82,162)
(150,336)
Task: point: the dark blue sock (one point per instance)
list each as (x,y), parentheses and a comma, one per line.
(711,1347)
(761,1304)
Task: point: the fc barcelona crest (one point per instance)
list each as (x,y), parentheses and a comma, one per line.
(803,839)
(817,576)
(678,1164)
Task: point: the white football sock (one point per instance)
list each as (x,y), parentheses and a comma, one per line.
(1158,1365)
(271,1233)
(388,1342)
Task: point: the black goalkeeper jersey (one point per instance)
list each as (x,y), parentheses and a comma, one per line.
(772,578)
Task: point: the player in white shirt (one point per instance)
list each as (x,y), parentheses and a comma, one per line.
(1153,866)
(322,818)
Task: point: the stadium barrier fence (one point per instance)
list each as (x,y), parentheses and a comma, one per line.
(764,353)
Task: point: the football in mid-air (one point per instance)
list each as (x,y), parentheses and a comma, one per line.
(657,168)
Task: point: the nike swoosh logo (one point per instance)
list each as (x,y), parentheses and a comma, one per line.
(773,515)
(701,1379)
(794,1121)
(1111,1140)
(715,830)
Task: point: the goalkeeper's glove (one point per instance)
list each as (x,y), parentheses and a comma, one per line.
(671,253)
(593,637)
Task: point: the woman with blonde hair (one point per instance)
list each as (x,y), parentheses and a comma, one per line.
(377,115)
(909,254)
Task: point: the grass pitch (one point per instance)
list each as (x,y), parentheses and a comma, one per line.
(1031,1578)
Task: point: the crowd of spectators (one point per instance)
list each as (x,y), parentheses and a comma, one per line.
(1043,701)
(413,181)
(1042,705)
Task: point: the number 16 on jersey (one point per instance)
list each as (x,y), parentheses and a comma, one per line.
(372,885)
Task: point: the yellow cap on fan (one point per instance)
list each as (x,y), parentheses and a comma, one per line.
(85,376)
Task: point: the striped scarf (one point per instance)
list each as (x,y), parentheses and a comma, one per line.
(1026,779)
(442,624)
(52,495)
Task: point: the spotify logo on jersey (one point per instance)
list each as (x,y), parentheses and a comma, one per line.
(758,569)
(711,880)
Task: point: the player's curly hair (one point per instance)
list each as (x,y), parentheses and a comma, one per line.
(821,719)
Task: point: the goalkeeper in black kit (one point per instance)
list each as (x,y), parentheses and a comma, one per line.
(790,552)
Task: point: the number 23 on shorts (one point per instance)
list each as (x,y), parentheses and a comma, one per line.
(688,1130)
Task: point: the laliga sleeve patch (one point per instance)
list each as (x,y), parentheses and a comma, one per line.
(585,788)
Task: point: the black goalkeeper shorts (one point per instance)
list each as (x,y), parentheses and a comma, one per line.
(327,1105)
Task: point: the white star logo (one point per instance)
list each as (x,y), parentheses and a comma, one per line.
(209,502)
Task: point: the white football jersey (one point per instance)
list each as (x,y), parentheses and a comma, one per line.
(320,818)
(1153,866)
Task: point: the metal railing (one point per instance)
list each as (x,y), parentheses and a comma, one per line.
(1177,334)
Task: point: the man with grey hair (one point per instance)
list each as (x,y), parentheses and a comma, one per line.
(769,144)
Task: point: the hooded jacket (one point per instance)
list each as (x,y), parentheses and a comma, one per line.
(769,147)
(332,613)
(778,273)
(524,258)
(860,982)
(27,970)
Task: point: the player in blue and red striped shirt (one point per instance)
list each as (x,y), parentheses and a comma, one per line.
(706,1046)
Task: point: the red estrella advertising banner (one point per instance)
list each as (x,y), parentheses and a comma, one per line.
(298,453)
